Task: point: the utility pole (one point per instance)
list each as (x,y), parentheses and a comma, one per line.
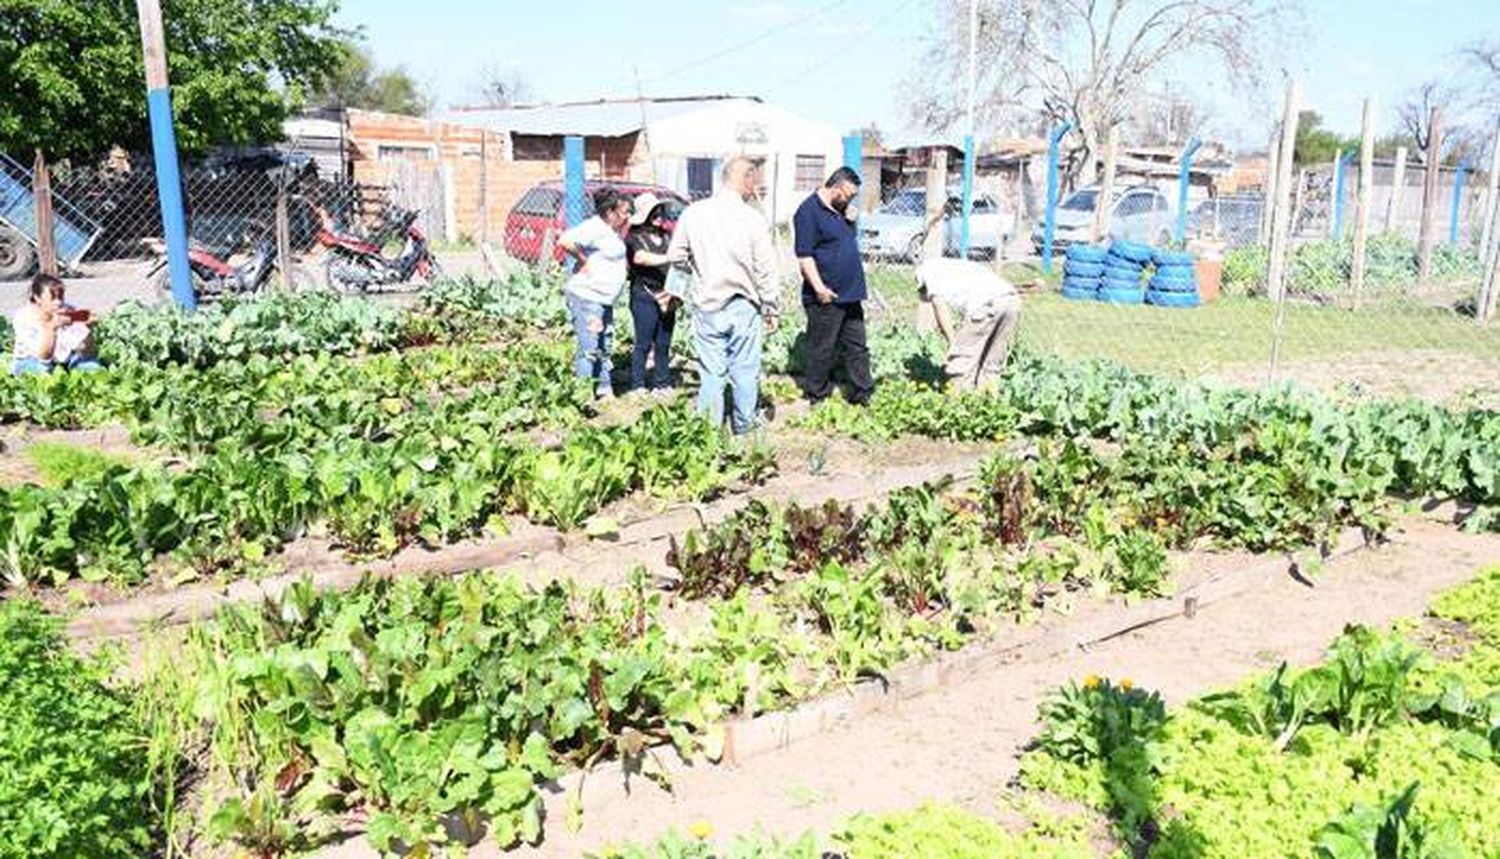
(969,148)
(164,148)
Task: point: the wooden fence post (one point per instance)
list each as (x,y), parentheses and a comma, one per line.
(1366,199)
(1427,238)
(1491,186)
(1282,218)
(484,188)
(1398,188)
(46,240)
(1099,228)
(937,200)
(1268,194)
(283,236)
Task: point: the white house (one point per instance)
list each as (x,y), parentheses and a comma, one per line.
(679,143)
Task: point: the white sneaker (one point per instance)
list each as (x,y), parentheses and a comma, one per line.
(604,394)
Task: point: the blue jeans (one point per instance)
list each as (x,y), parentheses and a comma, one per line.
(728,344)
(653,336)
(24,366)
(593,328)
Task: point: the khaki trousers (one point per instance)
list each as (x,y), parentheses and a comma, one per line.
(981,344)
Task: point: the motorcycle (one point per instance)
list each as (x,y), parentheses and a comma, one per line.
(214,275)
(356,264)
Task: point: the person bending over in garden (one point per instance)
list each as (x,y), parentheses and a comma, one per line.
(988,308)
(50,333)
(653,309)
(726,243)
(595,286)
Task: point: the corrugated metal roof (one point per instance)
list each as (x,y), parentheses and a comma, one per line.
(589,119)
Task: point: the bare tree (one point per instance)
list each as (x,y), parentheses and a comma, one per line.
(1045,61)
(1415,112)
(502,86)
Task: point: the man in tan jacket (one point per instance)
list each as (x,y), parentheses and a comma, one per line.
(726,244)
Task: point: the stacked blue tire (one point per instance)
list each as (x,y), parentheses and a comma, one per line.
(1123,266)
(1174,283)
(1082,271)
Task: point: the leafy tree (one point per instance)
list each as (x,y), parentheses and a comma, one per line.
(72,84)
(1316,144)
(357,82)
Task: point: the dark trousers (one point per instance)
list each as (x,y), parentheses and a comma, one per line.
(653,335)
(831,328)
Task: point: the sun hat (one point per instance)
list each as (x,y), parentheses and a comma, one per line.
(645,203)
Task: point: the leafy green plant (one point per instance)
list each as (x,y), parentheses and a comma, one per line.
(1388,832)
(73,781)
(1091,721)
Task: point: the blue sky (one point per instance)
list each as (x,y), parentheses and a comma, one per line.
(847,61)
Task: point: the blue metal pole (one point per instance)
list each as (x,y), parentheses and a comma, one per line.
(963,230)
(1184,179)
(1340,167)
(854,159)
(854,152)
(1458,197)
(574,200)
(169,196)
(1049,231)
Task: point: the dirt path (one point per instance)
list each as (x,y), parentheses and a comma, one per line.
(960,744)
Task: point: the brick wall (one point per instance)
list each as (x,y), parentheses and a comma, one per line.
(476,167)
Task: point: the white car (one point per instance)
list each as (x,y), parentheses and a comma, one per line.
(1139,214)
(897,230)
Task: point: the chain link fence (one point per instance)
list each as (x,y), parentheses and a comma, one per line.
(243,217)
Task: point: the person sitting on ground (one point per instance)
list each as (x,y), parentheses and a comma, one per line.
(594,288)
(50,333)
(989,307)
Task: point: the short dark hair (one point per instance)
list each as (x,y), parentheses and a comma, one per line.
(45,283)
(842,175)
(606,199)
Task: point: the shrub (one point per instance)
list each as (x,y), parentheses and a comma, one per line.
(1093,721)
(73,776)
(1245,270)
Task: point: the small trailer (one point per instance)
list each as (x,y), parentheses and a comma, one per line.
(73,232)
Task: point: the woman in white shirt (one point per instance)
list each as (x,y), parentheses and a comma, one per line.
(50,333)
(596,285)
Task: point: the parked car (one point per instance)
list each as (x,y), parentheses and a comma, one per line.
(1139,214)
(1234,220)
(897,230)
(537,219)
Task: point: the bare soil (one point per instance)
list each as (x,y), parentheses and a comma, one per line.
(961,743)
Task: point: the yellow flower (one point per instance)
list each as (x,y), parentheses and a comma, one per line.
(1126,685)
(702,830)
(610,851)
(1091,681)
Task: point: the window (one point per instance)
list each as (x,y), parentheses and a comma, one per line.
(1133,204)
(700,177)
(906,203)
(809,173)
(1083,201)
(397,152)
(1159,202)
(540,202)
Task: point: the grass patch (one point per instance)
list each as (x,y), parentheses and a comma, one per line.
(60,464)
(1231,332)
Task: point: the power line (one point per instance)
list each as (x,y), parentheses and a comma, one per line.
(754,40)
(842,55)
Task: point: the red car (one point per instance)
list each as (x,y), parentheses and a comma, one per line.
(540,212)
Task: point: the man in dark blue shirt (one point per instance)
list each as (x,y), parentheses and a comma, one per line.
(833,289)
